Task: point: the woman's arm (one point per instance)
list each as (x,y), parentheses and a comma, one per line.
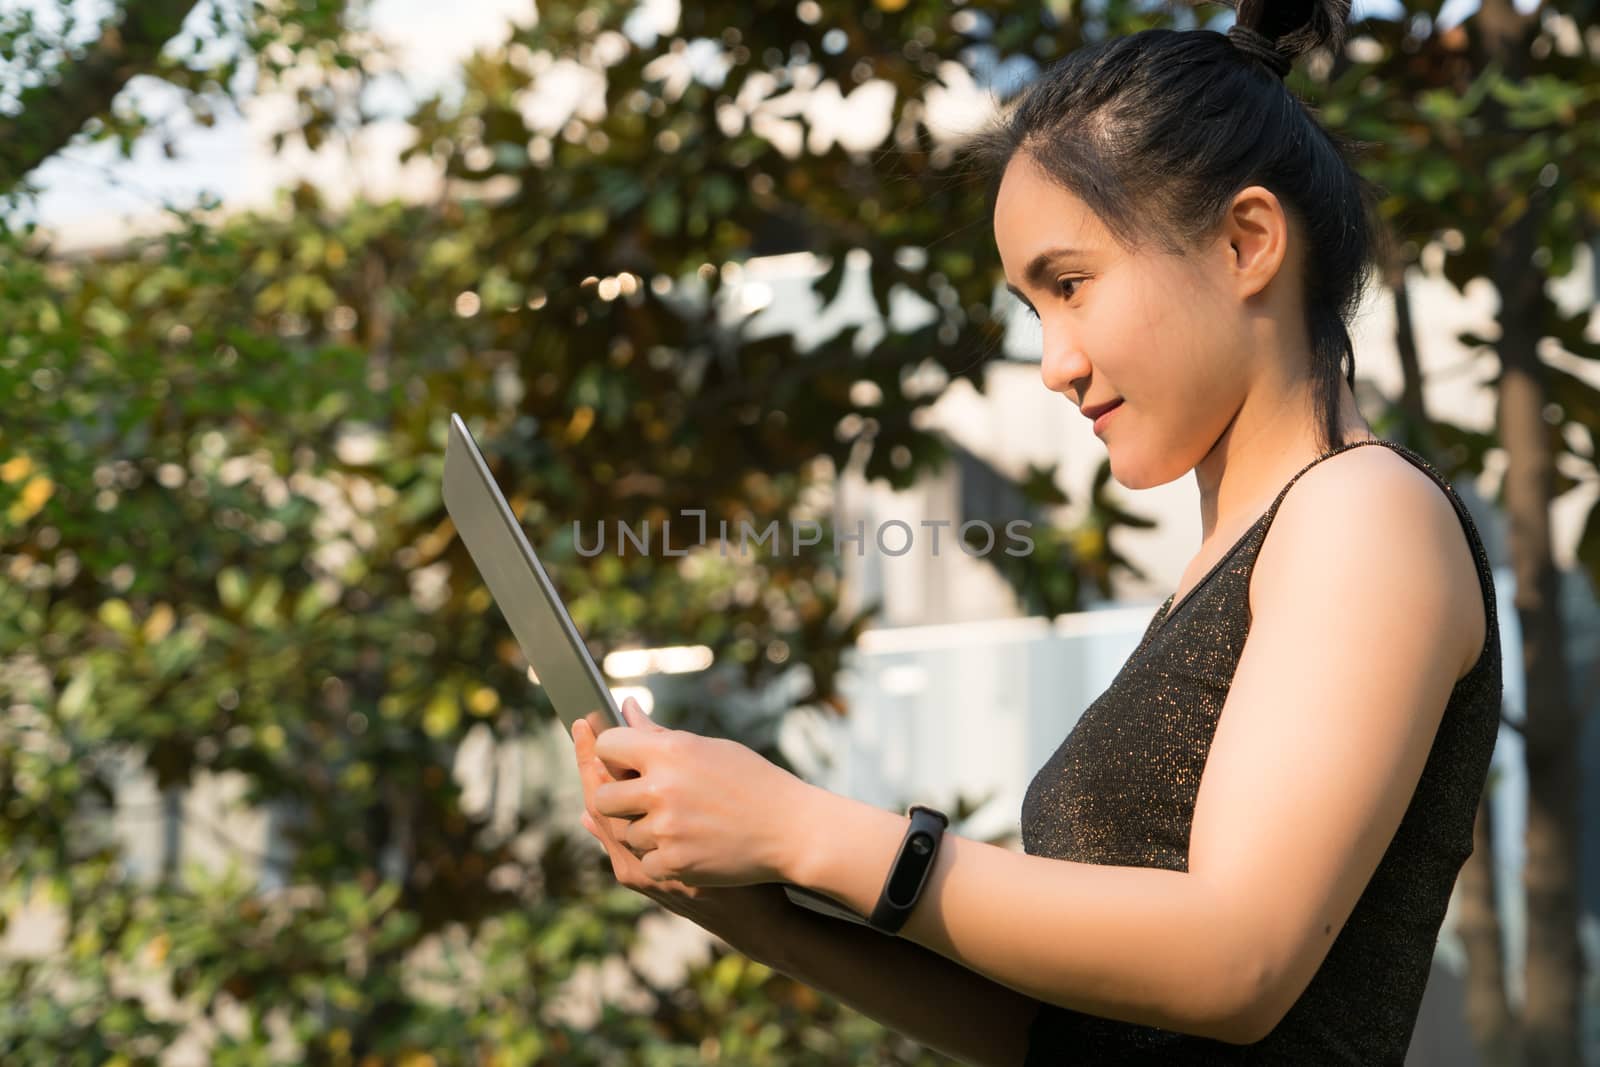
(912,990)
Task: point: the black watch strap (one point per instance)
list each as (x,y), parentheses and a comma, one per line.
(909,873)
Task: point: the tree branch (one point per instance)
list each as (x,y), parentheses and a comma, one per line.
(85,85)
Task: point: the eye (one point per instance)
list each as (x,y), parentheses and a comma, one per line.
(1068,288)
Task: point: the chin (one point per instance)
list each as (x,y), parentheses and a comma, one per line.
(1134,477)
(1135,472)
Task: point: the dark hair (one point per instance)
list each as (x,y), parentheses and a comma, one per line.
(1158,130)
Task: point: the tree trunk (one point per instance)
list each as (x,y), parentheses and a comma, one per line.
(1550,1013)
(1487,1008)
(1488,1011)
(1414,413)
(171,834)
(1554,966)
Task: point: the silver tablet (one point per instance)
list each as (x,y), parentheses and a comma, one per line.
(520,587)
(540,621)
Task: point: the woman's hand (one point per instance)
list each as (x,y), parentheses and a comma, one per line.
(702,811)
(741,915)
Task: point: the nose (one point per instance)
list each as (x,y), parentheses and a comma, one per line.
(1061,365)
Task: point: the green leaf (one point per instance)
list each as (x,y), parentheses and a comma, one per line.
(662,214)
(232,588)
(117,616)
(442,714)
(75,697)
(313,600)
(263,609)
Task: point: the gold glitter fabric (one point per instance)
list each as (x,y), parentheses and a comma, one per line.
(1121,789)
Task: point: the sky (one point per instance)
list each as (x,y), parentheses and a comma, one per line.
(87,189)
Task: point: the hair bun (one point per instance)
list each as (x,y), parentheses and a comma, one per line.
(1259,46)
(1290,28)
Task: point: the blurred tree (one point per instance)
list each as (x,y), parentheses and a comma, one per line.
(212,566)
(238,563)
(62,73)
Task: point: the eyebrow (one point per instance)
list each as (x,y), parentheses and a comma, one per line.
(1034,272)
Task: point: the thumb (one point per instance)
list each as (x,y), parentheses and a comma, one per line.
(635,716)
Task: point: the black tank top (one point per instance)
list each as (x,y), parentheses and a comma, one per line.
(1121,789)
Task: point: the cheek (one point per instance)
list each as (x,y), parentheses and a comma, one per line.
(1166,358)
(1169,359)
(1178,318)
(1167,331)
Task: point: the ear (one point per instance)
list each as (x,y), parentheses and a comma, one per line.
(1258,231)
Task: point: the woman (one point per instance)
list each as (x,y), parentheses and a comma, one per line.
(1243,851)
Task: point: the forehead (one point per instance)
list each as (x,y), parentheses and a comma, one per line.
(1033,214)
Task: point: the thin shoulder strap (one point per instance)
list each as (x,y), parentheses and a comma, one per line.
(1480,554)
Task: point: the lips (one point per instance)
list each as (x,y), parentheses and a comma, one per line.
(1094,412)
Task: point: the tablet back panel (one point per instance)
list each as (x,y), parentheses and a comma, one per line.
(520,587)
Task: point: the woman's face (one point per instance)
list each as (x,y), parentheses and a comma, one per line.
(1145,327)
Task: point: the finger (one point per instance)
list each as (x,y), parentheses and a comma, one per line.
(589,821)
(626,749)
(612,772)
(637,837)
(625,859)
(598,781)
(609,828)
(583,743)
(614,825)
(622,799)
(592,775)
(606,845)
(635,716)
(651,866)
(588,765)
(621,857)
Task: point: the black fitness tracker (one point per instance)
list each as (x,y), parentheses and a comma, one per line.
(910,870)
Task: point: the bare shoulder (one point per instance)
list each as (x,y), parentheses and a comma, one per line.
(1375,504)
